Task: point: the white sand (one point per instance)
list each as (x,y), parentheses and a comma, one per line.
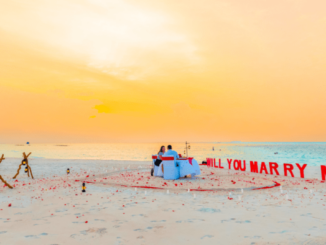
(51,209)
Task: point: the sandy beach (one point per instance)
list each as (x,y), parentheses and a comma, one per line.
(123,204)
(92,91)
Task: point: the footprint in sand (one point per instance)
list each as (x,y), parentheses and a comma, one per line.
(208,236)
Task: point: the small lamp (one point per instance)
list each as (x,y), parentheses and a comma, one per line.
(68,171)
(24,161)
(26,169)
(84,187)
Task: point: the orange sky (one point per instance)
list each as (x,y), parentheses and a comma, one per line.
(162,71)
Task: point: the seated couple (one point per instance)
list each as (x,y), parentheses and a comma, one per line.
(169,152)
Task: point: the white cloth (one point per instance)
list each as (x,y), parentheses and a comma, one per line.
(196,167)
(158,170)
(185,168)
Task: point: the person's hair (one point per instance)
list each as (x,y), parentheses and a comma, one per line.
(170,147)
(161,149)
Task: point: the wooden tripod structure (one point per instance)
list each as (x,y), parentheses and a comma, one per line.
(5,182)
(25,161)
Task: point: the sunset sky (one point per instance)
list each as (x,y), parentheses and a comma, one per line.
(96,71)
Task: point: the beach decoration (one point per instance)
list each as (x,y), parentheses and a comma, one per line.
(2,158)
(3,181)
(269,168)
(84,187)
(28,169)
(186,149)
(68,171)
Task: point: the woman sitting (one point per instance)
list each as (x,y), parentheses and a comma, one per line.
(158,162)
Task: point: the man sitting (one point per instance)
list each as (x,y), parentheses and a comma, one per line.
(171,152)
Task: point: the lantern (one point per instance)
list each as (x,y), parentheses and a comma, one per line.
(24,161)
(26,169)
(68,171)
(188,146)
(84,187)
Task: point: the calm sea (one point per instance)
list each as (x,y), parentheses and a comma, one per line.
(313,154)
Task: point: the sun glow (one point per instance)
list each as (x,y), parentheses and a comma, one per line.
(105,71)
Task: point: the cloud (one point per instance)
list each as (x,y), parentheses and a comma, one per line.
(114,36)
(102,109)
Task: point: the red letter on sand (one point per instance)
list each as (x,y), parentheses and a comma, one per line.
(253,167)
(229,162)
(215,166)
(244,166)
(236,167)
(263,168)
(301,169)
(219,163)
(323,171)
(273,165)
(288,167)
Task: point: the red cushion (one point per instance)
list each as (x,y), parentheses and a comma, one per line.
(167,158)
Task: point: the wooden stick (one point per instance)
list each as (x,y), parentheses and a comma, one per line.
(18,171)
(5,182)
(2,158)
(24,155)
(27,169)
(28,154)
(30,169)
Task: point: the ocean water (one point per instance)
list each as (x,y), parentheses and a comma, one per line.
(313,154)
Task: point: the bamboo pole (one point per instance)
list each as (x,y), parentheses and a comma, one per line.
(20,165)
(5,182)
(28,167)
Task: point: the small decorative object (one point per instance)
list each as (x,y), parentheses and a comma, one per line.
(28,169)
(5,182)
(187,148)
(84,187)
(68,171)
